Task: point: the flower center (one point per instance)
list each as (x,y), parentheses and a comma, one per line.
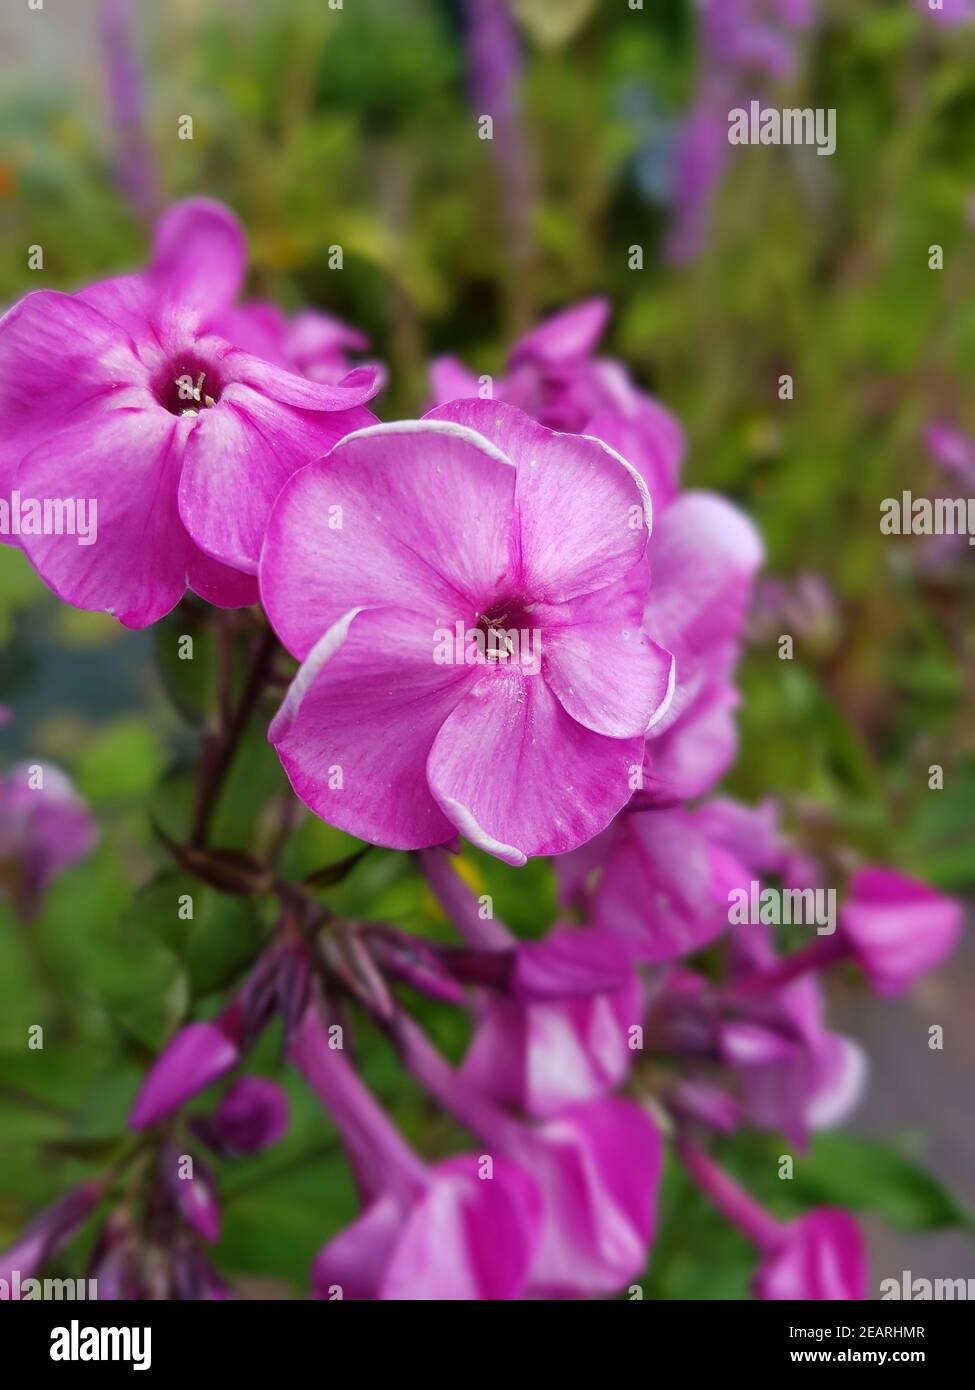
(186,386)
(502,625)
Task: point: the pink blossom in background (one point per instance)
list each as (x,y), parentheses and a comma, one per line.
(123,393)
(49,1231)
(948,12)
(425,1232)
(315,345)
(704,556)
(552,1024)
(597,1167)
(553,375)
(192,1060)
(135,170)
(44,829)
(897,928)
(700,157)
(818,1256)
(474,515)
(952,450)
(754,35)
(743,44)
(252,1116)
(662,887)
(812,1078)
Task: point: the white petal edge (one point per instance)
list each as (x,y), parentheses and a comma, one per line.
(641,486)
(478,837)
(321,653)
(666,702)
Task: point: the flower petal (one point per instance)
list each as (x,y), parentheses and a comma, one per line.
(60,362)
(451,380)
(219,584)
(584,513)
(192,1060)
(564,337)
(821,1256)
(420,511)
(357,725)
(661,886)
(238,457)
(598,1166)
(467,1237)
(898,927)
(128,466)
(605,671)
(355,1260)
(519,777)
(285,386)
(647,436)
(199,256)
(129,301)
(703,558)
(690,757)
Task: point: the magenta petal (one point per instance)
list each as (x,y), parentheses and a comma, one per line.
(518,777)
(898,928)
(252,1116)
(61,362)
(821,1256)
(605,671)
(199,256)
(751,833)
(357,725)
(128,463)
(418,513)
(840,1070)
(129,301)
(43,829)
(198,1205)
(49,1230)
(703,558)
(566,337)
(197,1056)
(219,584)
(238,457)
(288,388)
(542,1057)
(661,886)
(353,1263)
(570,961)
(584,513)
(598,1167)
(450,380)
(467,1237)
(649,438)
(690,758)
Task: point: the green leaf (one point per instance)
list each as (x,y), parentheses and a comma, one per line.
(121,763)
(188,668)
(868,1176)
(214,936)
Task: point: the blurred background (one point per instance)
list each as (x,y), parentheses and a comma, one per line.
(358,127)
